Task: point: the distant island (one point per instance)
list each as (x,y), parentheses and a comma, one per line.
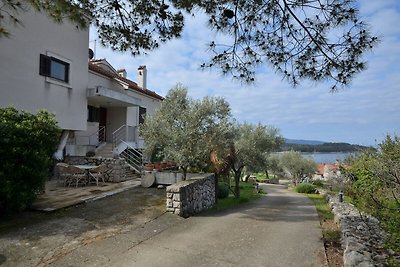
(318,146)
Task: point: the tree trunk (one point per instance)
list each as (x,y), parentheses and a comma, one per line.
(216,187)
(237,172)
(266,174)
(184,173)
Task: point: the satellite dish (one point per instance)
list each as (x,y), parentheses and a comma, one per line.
(91,54)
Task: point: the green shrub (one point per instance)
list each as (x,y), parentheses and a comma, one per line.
(27,143)
(318,183)
(223,191)
(305,188)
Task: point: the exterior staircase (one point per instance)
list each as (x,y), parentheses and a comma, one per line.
(132,156)
(105,151)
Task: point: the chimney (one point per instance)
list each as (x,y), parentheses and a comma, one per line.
(142,76)
(122,73)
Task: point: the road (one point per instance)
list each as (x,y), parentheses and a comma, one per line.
(280,229)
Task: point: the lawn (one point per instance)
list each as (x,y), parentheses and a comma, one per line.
(247,193)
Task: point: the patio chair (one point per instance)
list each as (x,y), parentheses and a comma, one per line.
(97,173)
(77,176)
(63,172)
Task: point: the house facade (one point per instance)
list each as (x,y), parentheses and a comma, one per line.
(45,65)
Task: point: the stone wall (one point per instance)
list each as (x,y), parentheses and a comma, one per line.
(116,167)
(362,236)
(191,196)
(271,181)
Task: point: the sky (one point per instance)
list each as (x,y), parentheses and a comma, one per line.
(363,113)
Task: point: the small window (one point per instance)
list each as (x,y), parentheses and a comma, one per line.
(142,114)
(54,68)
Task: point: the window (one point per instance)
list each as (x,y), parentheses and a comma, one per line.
(93,114)
(54,68)
(142,114)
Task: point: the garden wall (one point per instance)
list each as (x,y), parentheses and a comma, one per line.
(191,196)
(116,167)
(362,236)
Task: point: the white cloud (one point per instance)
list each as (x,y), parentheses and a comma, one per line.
(365,111)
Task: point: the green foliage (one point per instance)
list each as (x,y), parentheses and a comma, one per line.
(27,143)
(297,165)
(250,33)
(247,193)
(252,144)
(323,209)
(223,191)
(305,188)
(318,183)
(273,164)
(187,131)
(375,186)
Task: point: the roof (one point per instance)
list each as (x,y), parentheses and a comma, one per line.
(131,84)
(331,167)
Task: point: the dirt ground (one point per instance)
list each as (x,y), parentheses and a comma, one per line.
(36,238)
(333,248)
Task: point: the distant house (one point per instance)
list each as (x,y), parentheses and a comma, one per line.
(45,65)
(328,171)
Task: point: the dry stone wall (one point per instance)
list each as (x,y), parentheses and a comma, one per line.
(191,196)
(116,167)
(362,236)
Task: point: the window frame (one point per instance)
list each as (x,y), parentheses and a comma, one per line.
(45,67)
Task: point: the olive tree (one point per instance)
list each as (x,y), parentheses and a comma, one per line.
(297,165)
(314,39)
(251,143)
(273,164)
(188,131)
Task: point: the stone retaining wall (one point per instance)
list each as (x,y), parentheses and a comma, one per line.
(116,167)
(191,196)
(271,181)
(362,236)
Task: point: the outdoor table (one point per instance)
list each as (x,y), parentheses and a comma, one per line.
(87,168)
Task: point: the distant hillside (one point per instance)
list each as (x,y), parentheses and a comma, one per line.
(303,142)
(323,147)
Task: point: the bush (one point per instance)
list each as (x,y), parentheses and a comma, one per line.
(305,188)
(223,191)
(375,187)
(27,143)
(318,183)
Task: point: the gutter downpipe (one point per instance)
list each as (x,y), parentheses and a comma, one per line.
(58,155)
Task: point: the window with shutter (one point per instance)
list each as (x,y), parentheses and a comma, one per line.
(54,68)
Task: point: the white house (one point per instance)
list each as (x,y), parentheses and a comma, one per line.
(45,65)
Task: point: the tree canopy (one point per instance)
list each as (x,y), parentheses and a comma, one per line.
(251,144)
(317,40)
(187,130)
(298,166)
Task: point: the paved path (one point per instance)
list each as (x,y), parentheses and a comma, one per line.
(281,229)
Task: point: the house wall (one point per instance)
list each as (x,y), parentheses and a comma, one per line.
(116,117)
(21,85)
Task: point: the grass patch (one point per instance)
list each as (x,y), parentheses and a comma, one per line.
(247,194)
(323,209)
(330,231)
(263,176)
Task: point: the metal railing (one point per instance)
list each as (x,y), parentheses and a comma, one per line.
(123,134)
(94,139)
(133,156)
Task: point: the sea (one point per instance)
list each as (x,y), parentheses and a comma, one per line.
(328,158)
